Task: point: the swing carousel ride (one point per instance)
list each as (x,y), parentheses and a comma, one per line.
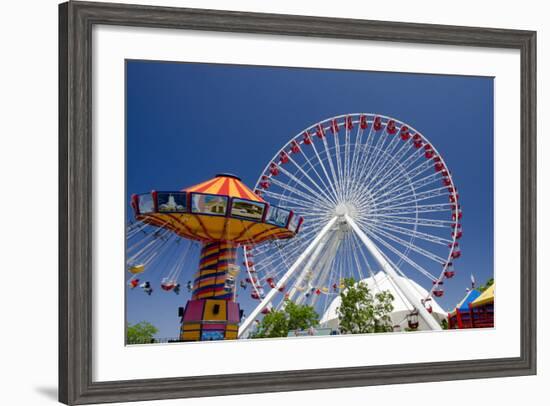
(219,215)
(373,195)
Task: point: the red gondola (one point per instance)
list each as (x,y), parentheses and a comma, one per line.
(439,166)
(274,169)
(449,274)
(377,125)
(334,126)
(282,288)
(412,320)
(307,138)
(283,157)
(429,153)
(363,122)
(264,184)
(265,310)
(417,141)
(320,132)
(456,250)
(438,292)
(457,215)
(457,231)
(271,282)
(404,133)
(447,181)
(255,295)
(294,147)
(390,127)
(349,123)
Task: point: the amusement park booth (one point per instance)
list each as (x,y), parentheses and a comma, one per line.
(476,310)
(483,308)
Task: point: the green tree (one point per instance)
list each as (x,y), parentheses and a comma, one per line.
(489,282)
(277,323)
(361,312)
(140,333)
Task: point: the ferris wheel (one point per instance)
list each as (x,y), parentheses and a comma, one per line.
(375,196)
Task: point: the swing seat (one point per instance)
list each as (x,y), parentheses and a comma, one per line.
(136,269)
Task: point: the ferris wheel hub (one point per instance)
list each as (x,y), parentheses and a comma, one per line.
(343,209)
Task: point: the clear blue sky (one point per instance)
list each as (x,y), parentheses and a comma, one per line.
(187,122)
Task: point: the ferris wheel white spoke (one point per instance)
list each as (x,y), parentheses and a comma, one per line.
(403,199)
(391,158)
(365,149)
(359,147)
(299,192)
(291,250)
(417,184)
(395,184)
(413,173)
(418,221)
(338,161)
(421,208)
(331,166)
(319,188)
(379,146)
(321,179)
(391,177)
(374,180)
(322,165)
(347,156)
(288,198)
(376,228)
(401,256)
(361,249)
(414,233)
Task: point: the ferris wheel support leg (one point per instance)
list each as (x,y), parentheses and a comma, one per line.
(248,321)
(399,282)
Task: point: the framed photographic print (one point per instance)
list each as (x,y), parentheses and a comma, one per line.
(291,202)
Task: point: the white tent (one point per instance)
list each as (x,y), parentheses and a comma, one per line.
(402,307)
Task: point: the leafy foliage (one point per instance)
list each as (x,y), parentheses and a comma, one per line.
(488,284)
(278,323)
(140,333)
(361,312)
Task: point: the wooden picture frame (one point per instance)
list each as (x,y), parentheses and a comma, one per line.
(76,20)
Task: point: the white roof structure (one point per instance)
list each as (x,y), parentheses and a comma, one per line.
(402,307)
